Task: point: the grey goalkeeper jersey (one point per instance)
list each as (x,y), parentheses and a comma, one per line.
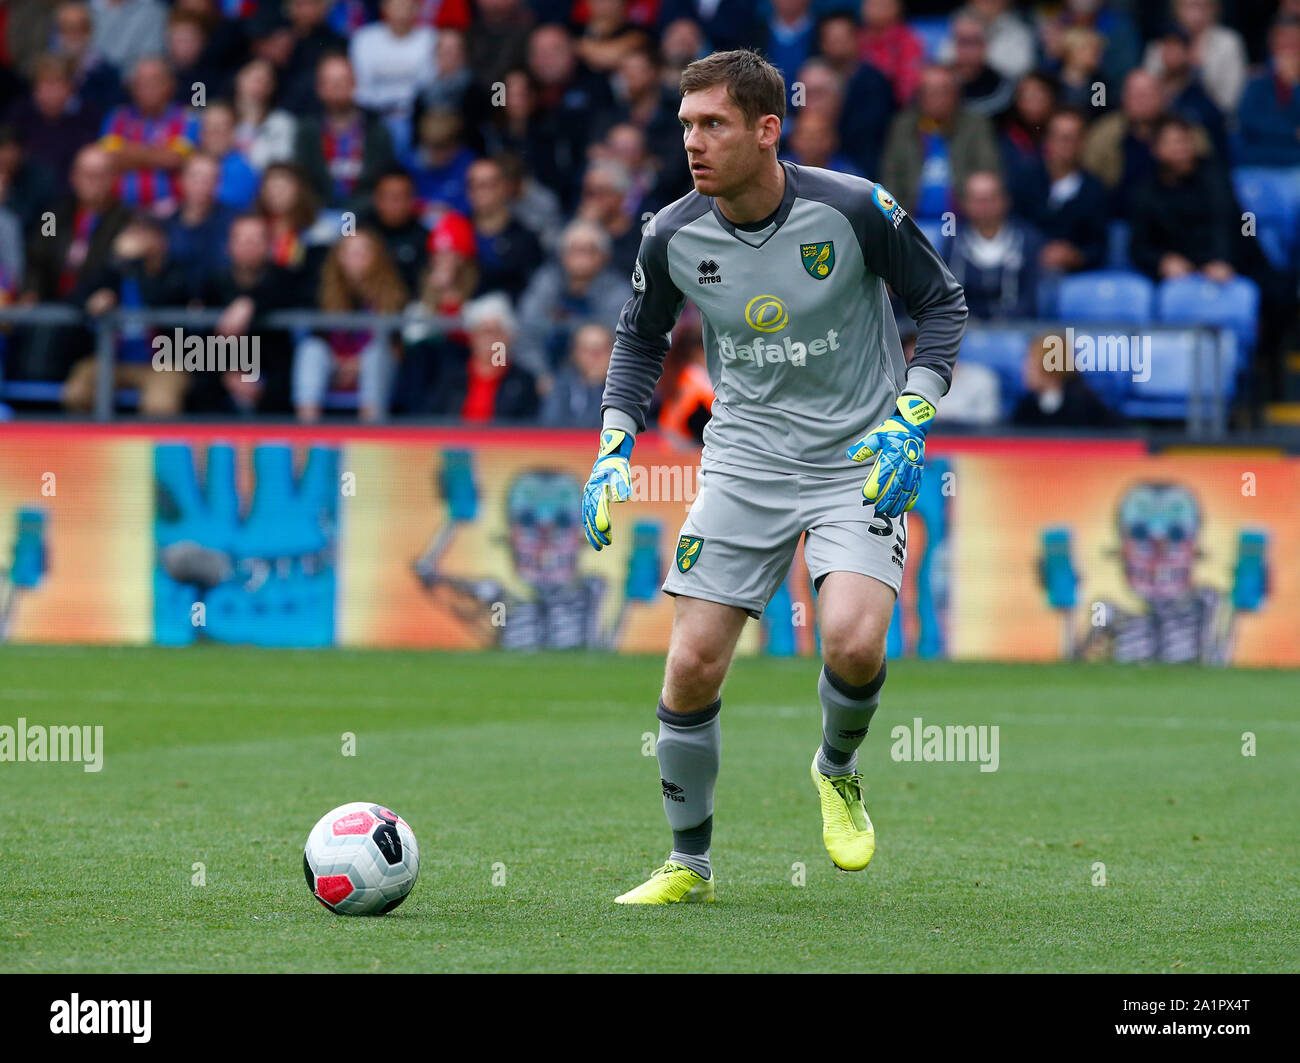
(801,341)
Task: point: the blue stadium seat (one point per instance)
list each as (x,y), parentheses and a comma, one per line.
(1003,351)
(1105,295)
(1118,236)
(1272,194)
(933,31)
(1197,300)
(1111,385)
(1171,380)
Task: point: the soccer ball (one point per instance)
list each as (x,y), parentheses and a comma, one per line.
(361,859)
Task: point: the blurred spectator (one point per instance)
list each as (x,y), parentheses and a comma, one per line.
(787,37)
(568,98)
(1054,397)
(449,81)
(127,31)
(306,39)
(934,146)
(720,25)
(815,142)
(575,396)
(1270,107)
(288,206)
(358,275)
(13,257)
(686,389)
(188,56)
(534,205)
(24,35)
(345,150)
(1180,84)
(26,186)
(642,100)
(263,133)
(1082,81)
(974,395)
(393,61)
(394,217)
(248,286)
(69,263)
(1113,26)
(441,161)
(271,39)
(892,47)
(137,276)
(983,90)
(604,202)
(579,286)
(237,187)
(489,385)
(197,233)
(994,256)
(681,44)
(508,253)
(1184,215)
(149,138)
(97,81)
(607,36)
(864,126)
(1021,142)
(1070,210)
(498,39)
(1009,42)
(52,122)
(1218,53)
(1118,147)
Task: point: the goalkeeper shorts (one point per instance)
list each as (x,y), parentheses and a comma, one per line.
(744,526)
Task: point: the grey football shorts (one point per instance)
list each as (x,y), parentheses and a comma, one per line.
(744,525)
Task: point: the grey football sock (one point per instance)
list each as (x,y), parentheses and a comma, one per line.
(846,715)
(689,751)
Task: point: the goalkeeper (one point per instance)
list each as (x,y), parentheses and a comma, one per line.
(818,429)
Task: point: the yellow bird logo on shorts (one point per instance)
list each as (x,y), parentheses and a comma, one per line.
(688,551)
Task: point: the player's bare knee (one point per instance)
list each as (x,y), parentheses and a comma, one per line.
(693,676)
(855,655)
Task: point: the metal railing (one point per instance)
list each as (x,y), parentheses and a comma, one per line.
(1206,406)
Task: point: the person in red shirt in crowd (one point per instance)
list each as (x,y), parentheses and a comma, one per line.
(886,42)
(488,386)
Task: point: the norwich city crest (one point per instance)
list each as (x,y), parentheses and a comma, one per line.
(688,551)
(818,259)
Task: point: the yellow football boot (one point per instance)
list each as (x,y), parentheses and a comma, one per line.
(846,828)
(670,884)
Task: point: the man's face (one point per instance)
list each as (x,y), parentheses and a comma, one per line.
(151,87)
(601,198)
(839,41)
(486,187)
(984,202)
(1175,149)
(582,256)
(821,89)
(1175,55)
(591,350)
(638,73)
(723,151)
(1284,45)
(199,181)
(394,202)
(938,95)
(400,15)
(813,139)
(184,44)
(335,85)
(969,46)
(550,55)
(248,243)
(1063,144)
(74,30)
(218,136)
(92,176)
(51,95)
(306,15)
(1142,101)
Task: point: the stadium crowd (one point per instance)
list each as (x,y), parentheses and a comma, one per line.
(495,160)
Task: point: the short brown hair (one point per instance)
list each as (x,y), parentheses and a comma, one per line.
(753,84)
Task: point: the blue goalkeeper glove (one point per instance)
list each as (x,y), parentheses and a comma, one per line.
(898,445)
(611,481)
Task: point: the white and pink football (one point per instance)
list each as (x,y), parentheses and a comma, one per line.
(361,859)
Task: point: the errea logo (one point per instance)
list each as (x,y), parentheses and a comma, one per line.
(708,271)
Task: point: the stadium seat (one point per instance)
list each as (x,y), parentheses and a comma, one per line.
(1272,194)
(1003,351)
(933,31)
(1111,385)
(1199,301)
(1118,236)
(1177,357)
(933,231)
(1105,295)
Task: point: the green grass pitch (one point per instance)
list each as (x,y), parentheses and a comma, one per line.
(531,768)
